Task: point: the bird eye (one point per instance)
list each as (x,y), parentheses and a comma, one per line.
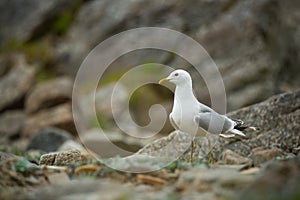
(176,74)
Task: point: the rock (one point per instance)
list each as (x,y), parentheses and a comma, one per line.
(231,158)
(277,118)
(71,145)
(279,180)
(223,181)
(6,156)
(65,158)
(172,146)
(130,15)
(59,116)
(48,139)
(27,20)
(261,155)
(15,84)
(118,144)
(254,69)
(49,94)
(11,124)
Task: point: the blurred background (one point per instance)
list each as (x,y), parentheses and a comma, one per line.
(255,44)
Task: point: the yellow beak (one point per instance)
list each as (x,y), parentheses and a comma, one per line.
(163,80)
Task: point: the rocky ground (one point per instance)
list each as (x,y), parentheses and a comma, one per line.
(255,45)
(265,165)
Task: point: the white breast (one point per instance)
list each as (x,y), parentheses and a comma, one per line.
(183,116)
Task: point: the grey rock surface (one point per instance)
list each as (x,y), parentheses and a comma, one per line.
(24,20)
(276,117)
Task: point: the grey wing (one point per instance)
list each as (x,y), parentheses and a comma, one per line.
(213,122)
(205,108)
(173,122)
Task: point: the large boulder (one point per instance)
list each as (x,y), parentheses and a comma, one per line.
(276,117)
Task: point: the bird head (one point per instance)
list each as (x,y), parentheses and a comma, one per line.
(178,77)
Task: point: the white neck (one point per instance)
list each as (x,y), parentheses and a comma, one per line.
(185,91)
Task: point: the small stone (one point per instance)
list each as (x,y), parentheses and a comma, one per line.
(48,159)
(260,155)
(231,158)
(48,139)
(65,158)
(71,145)
(49,94)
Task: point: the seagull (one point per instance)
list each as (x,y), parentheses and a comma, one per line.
(190,116)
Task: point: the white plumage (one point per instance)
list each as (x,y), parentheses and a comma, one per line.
(190,116)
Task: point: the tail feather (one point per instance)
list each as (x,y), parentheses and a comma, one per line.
(239,125)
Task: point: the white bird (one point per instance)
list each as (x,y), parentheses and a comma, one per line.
(190,116)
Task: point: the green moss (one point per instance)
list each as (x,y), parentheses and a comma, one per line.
(44,74)
(63,21)
(23,166)
(37,51)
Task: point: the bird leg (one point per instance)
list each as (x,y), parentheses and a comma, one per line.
(192,151)
(211,159)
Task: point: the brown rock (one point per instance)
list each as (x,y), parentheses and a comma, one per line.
(261,155)
(60,116)
(48,159)
(15,84)
(68,157)
(62,158)
(49,94)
